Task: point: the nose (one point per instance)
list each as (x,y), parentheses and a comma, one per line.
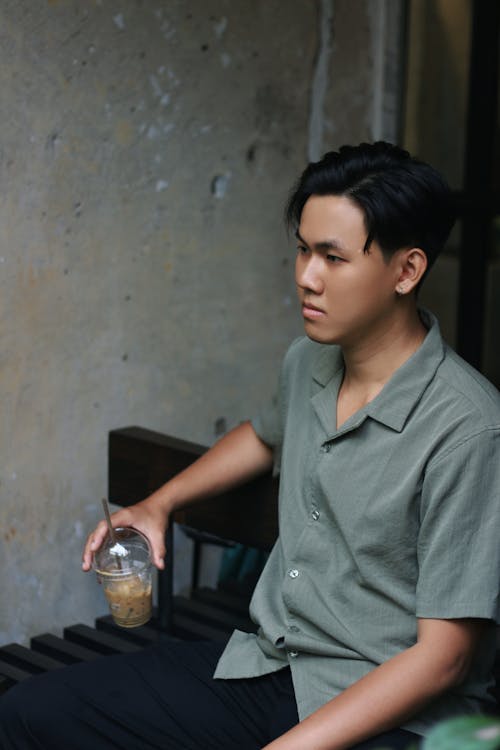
(308,274)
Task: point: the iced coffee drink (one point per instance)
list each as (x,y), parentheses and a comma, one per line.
(124,570)
(129,600)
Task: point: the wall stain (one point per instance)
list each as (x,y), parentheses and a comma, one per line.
(250,155)
(220,426)
(124,133)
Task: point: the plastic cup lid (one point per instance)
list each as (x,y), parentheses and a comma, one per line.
(129,553)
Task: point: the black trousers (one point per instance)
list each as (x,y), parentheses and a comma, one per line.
(161,698)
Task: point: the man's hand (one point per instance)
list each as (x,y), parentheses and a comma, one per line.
(148,516)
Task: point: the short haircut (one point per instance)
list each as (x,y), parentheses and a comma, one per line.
(405,202)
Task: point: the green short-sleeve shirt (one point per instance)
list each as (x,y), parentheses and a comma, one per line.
(392,517)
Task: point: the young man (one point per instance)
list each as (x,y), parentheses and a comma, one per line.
(376,608)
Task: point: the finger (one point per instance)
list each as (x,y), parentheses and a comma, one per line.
(93,543)
(158,557)
(88,553)
(157,542)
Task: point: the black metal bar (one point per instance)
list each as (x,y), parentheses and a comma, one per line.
(165,584)
(479,161)
(196,561)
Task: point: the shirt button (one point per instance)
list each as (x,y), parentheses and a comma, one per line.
(294,628)
(293,573)
(293,654)
(325,448)
(315,515)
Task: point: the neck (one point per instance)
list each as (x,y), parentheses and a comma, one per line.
(370,364)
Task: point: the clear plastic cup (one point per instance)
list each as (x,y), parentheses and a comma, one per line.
(124,569)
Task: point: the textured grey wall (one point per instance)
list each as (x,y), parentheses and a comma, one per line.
(147,149)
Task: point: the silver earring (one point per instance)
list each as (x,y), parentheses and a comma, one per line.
(399,290)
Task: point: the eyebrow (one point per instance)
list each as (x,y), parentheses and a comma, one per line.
(324,245)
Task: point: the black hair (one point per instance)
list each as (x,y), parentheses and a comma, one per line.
(405,202)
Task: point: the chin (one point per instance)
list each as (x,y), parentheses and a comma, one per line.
(321,338)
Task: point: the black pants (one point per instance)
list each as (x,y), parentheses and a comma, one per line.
(161,698)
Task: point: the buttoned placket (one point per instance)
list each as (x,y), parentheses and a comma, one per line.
(293,653)
(294,573)
(324,450)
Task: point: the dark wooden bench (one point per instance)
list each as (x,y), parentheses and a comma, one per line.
(139,462)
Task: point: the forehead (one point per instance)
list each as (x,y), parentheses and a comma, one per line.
(328,217)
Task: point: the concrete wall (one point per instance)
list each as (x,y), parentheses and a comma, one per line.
(147,149)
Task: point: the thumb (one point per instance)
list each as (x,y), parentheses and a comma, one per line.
(158,550)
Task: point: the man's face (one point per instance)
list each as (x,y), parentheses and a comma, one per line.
(347,295)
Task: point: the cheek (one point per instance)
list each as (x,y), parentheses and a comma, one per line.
(358,291)
(376,293)
(296,268)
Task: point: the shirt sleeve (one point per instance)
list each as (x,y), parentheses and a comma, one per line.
(269,422)
(459,541)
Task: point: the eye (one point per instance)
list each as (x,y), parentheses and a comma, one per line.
(334,258)
(302,249)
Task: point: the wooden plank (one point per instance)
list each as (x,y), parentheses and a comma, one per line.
(61,649)
(96,640)
(5,684)
(27,659)
(212,615)
(223,599)
(187,628)
(183,628)
(141,460)
(247,515)
(14,674)
(144,635)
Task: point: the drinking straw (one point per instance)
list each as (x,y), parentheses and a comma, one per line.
(110,527)
(108,520)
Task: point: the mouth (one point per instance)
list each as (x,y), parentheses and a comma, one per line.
(311,311)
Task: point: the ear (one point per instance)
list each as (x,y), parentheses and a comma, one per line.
(412,264)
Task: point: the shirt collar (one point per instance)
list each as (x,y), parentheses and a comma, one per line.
(401,393)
